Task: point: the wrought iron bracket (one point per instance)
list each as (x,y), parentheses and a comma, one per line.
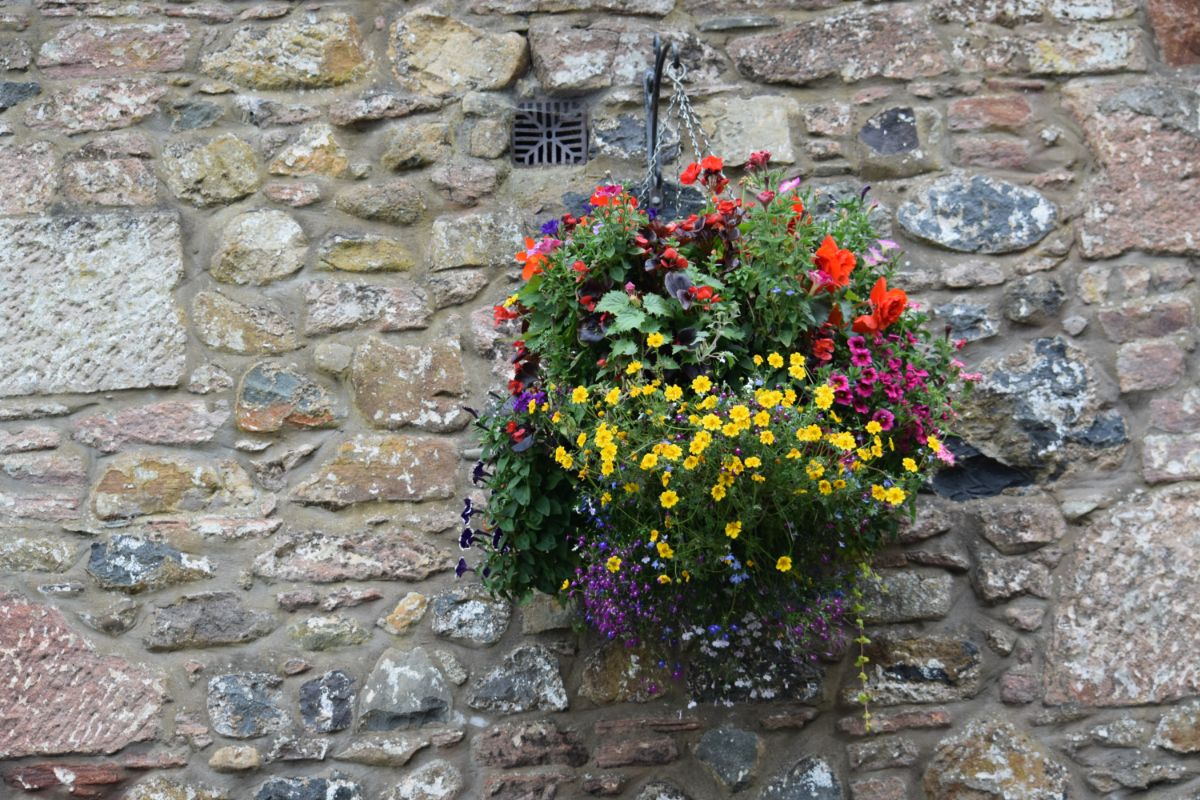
(652,84)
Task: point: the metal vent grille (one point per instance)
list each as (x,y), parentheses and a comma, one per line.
(550,132)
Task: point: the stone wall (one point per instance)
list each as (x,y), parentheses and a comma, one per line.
(249,251)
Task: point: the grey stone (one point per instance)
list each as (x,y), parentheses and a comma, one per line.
(12,93)
(211,173)
(114,619)
(36,554)
(205,620)
(1179,729)
(326,633)
(1039,406)
(456,286)
(259,247)
(978,214)
(373,554)
(992,759)
(62,589)
(1001,578)
(891,131)
(106,317)
(1033,300)
(341,306)
(661,790)
(404,690)
(528,679)
(543,612)
(398,202)
(474,240)
(1019,525)
(436,780)
(471,614)
(327,702)
(334,787)
(882,753)
(246,705)
(900,142)
(133,564)
(907,595)
(970,321)
(291,748)
(158,787)
(624,136)
(191,116)
(810,778)
(732,754)
(226,325)
(386,750)
(938,668)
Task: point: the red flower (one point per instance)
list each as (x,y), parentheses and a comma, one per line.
(501,314)
(886,307)
(758,160)
(823,349)
(835,263)
(712,164)
(690,174)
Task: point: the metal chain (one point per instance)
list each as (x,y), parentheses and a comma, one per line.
(681,109)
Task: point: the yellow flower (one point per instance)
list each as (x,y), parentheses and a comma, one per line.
(775,360)
(664,579)
(673,392)
(935,444)
(810,434)
(878,492)
(579,395)
(708,403)
(653,536)
(668,499)
(758,478)
(731,429)
(564,458)
(784,564)
(793,453)
(631,488)
(739,413)
(666,478)
(815,469)
(532,407)
(789,397)
(895,496)
(753,462)
(605,499)
(606,468)
(556,418)
(691,462)
(609,452)
(701,384)
(700,443)
(664,550)
(825,487)
(842,440)
(797,373)
(686,576)
(649,461)
(566,583)
(634,366)
(873,427)
(733,529)
(613,396)
(910,465)
(655,339)
(839,484)
(613,564)
(508,301)
(766,437)
(672,452)
(711,422)
(762,419)
(796,360)
(823,397)
(718,493)
(768,398)
(758,361)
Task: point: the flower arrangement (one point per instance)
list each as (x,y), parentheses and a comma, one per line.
(713,423)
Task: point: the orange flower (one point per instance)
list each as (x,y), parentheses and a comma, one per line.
(533,260)
(690,174)
(712,163)
(835,263)
(886,307)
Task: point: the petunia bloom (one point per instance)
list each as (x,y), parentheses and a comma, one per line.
(886,307)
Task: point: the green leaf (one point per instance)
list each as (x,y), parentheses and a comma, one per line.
(629,320)
(656,305)
(614,302)
(520,493)
(623,347)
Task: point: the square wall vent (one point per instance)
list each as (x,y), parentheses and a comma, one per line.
(549,133)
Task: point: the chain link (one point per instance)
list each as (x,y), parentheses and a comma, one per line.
(688,121)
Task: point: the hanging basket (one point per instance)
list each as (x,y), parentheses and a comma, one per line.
(715,420)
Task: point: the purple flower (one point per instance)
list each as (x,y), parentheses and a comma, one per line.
(462,568)
(885,418)
(550,227)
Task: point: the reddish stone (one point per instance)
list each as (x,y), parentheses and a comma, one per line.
(790,719)
(270,395)
(296,195)
(854,45)
(174,422)
(166,759)
(1147,319)
(892,721)
(604,784)
(529,744)
(625,727)
(1176,26)
(1173,457)
(381,105)
(35,437)
(641,752)
(1176,414)
(111,182)
(98,106)
(1125,630)
(60,695)
(46,486)
(1006,112)
(135,484)
(1147,146)
(993,152)
(27,174)
(369,555)
(879,789)
(86,49)
(526,785)
(1151,364)
(79,780)
(1019,687)
(396,387)
(466,183)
